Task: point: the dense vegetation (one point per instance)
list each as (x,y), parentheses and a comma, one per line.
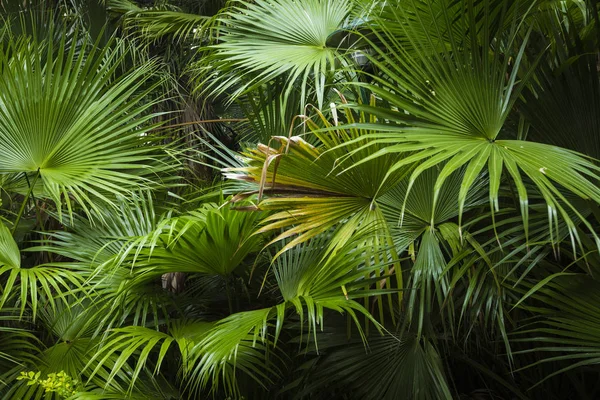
(300,199)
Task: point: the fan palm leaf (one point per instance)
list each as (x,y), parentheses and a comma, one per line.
(453,109)
(309,288)
(301,185)
(302,182)
(67,119)
(566,326)
(266,39)
(390,367)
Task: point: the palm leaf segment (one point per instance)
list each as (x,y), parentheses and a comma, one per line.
(66,119)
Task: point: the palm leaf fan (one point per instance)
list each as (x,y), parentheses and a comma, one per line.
(75,127)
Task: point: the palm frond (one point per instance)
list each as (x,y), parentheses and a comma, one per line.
(302,183)
(453,109)
(390,367)
(128,341)
(569,334)
(69,121)
(28,286)
(153,23)
(267,39)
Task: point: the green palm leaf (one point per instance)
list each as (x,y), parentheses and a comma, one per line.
(454,107)
(155,22)
(266,39)
(10,256)
(302,183)
(567,324)
(309,198)
(127,341)
(391,367)
(210,240)
(236,343)
(28,286)
(312,278)
(67,119)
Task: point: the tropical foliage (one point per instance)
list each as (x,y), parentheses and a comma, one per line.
(300,199)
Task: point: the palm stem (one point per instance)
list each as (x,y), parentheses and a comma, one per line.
(228,291)
(25,200)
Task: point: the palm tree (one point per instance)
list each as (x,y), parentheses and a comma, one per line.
(407,206)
